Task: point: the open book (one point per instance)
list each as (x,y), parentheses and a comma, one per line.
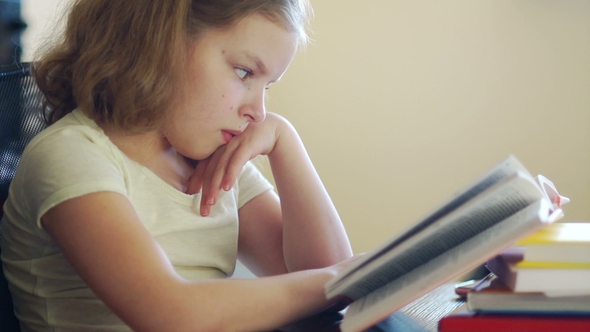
(491,214)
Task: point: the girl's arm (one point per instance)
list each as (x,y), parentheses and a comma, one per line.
(313,235)
(102,237)
(304,231)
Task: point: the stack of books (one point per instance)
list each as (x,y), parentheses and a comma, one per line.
(500,207)
(541,284)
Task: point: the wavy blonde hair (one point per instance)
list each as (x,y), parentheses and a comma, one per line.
(120,61)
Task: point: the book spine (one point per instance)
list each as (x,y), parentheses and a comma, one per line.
(502,323)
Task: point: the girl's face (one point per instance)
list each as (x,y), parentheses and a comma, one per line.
(227,74)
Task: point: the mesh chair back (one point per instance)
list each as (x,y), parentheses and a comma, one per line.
(20,120)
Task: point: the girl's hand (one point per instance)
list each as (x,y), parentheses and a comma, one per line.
(221,169)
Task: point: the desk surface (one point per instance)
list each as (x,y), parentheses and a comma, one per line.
(421,315)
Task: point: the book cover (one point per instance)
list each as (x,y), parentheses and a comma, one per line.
(552,278)
(559,242)
(470,321)
(493,296)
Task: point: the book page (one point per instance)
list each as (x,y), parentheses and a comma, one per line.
(499,202)
(380,303)
(505,169)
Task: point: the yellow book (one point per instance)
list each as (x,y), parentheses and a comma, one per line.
(551,265)
(525,276)
(558,243)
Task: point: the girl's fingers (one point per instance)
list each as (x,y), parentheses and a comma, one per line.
(234,166)
(209,191)
(225,164)
(195,182)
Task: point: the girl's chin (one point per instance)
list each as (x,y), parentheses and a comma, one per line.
(196,156)
(202,155)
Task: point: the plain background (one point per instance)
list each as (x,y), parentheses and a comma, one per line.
(403,103)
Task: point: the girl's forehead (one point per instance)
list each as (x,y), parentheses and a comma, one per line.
(256,42)
(253,25)
(252,31)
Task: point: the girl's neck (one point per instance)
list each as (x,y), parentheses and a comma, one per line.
(154,152)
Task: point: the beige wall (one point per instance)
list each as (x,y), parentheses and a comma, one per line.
(42,17)
(402,103)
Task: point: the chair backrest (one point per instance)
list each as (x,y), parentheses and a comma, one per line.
(20,120)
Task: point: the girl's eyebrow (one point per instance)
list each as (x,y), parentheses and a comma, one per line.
(260,66)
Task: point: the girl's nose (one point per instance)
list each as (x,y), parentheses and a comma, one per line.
(254,110)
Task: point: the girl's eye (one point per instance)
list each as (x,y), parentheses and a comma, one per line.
(242,73)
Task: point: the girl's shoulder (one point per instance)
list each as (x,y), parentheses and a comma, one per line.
(74,128)
(73,144)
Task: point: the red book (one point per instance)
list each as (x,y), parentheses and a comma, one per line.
(475,322)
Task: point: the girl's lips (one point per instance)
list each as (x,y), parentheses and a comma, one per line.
(227,136)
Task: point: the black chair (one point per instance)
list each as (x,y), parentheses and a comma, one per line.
(21,119)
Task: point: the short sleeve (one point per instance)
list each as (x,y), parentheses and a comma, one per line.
(251,183)
(67,162)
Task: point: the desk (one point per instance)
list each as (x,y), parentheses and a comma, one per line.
(421,315)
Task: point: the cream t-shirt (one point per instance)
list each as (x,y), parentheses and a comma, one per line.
(72,158)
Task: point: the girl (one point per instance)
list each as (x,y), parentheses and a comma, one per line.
(131,209)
